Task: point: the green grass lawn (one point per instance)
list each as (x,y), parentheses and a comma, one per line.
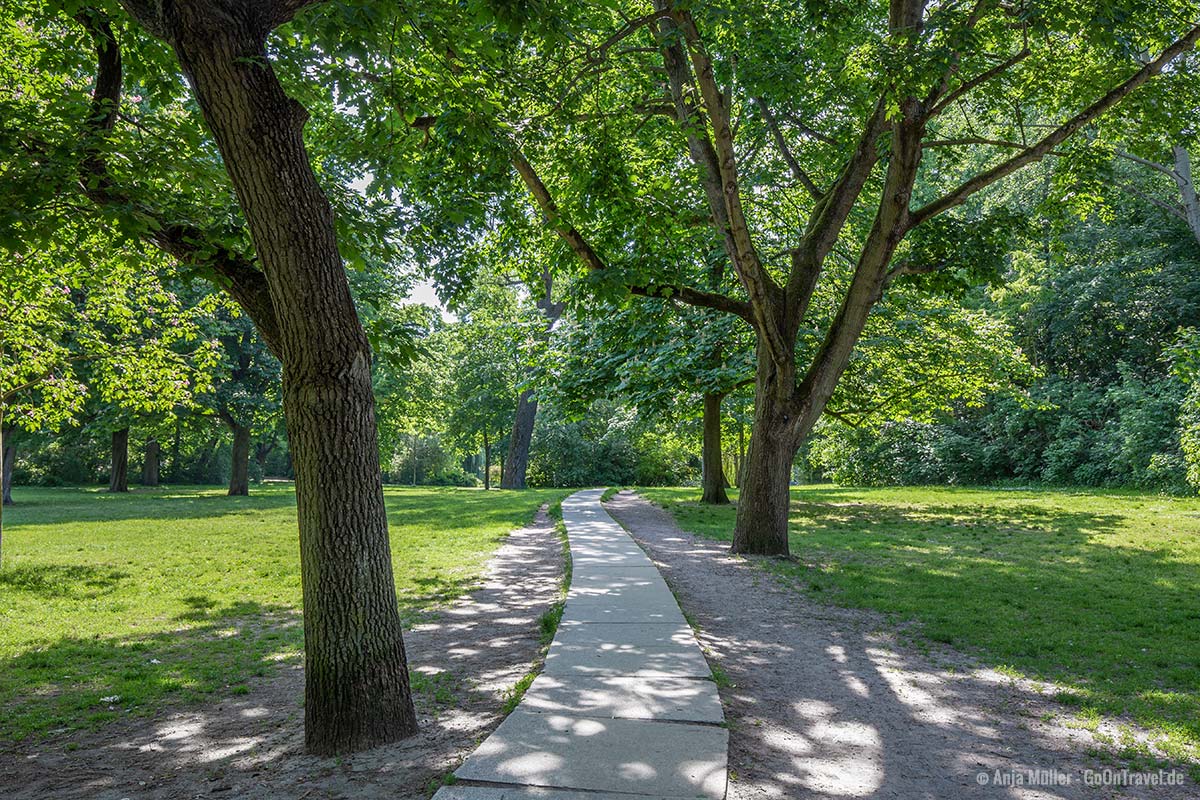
(179,595)
(1098,591)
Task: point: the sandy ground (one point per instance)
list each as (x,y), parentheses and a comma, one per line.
(251,746)
(825,702)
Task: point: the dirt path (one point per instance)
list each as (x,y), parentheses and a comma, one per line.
(252,746)
(823,702)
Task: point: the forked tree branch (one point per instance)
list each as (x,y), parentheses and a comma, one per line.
(766,296)
(591,259)
(980,79)
(1056,137)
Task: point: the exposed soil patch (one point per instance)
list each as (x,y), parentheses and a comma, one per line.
(826,702)
(251,746)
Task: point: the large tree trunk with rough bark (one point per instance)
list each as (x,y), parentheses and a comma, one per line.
(763,496)
(118,475)
(516,462)
(150,458)
(239,472)
(356,679)
(713,471)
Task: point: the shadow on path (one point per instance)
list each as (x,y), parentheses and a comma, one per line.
(824,703)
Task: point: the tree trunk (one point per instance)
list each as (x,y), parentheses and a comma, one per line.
(713,473)
(487,463)
(239,475)
(262,451)
(516,462)
(203,463)
(1187,189)
(150,463)
(357,691)
(118,476)
(763,499)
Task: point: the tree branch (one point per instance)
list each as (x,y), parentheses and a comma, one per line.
(979,80)
(786,151)
(551,213)
(282,11)
(186,243)
(1145,162)
(765,294)
(587,254)
(1037,151)
(1174,210)
(830,215)
(695,297)
(691,120)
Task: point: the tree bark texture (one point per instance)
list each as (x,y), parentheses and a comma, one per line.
(764,497)
(516,462)
(712,469)
(239,473)
(356,679)
(150,459)
(118,474)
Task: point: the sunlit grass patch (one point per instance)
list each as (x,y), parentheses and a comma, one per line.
(115,604)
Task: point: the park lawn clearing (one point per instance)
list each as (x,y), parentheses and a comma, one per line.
(113,605)
(1097,592)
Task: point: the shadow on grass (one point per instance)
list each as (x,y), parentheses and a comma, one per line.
(37,506)
(444,508)
(80,682)
(1091,600)
(61,580)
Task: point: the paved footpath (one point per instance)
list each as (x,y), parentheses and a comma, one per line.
(626,706)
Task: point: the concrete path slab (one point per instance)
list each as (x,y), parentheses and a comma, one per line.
(646,634)
(623,697)
(641,590)
(613,660)
(660,759)
(462,792)
(625,707)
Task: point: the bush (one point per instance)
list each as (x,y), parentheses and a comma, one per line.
(451,475)
(610,446)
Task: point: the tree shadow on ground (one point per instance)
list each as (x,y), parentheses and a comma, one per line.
(81,505)
(443,508)
(1058,595)
(60,580)
(244,737)
(825,702)
(79,682)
